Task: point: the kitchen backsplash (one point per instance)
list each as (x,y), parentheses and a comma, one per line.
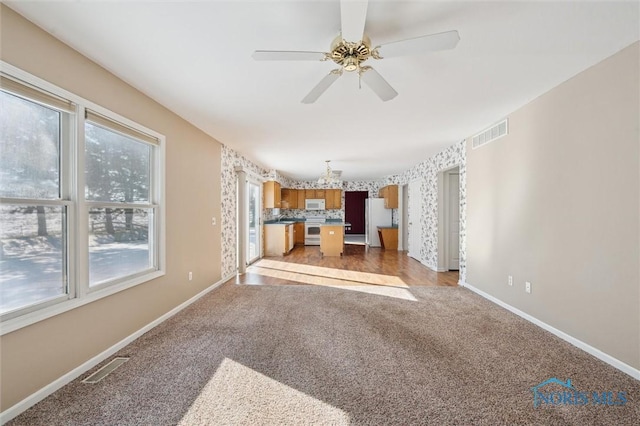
(329,214)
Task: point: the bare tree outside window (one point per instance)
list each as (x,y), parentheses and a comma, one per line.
(117,171)
(33,244)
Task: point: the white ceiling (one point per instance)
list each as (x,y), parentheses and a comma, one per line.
(194,57)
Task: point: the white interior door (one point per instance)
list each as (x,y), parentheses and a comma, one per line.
(454,221)
(415,210)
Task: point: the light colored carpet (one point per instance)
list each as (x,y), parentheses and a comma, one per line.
(266,355)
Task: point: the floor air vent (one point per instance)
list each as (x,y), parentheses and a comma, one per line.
(491,134)
(106,370)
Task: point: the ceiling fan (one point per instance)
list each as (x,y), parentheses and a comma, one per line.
(352,47)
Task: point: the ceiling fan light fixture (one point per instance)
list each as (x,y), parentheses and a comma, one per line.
(352,55)
(350,64)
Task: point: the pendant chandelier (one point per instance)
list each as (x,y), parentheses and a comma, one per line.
(330,177)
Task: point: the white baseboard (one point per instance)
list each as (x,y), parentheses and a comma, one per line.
(434,269)
(614,362)
(41,394)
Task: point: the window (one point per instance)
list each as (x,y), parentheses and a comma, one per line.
(117,192)
(33,214)
(80,201)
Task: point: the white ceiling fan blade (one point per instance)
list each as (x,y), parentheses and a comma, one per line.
(321,87)
(377,84)
(287,55)
(427,43)
(353,14)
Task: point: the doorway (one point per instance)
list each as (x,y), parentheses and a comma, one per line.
(354,213)
(449,220)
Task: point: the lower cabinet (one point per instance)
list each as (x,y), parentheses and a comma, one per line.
(278,239)
(298,229)
(388,237)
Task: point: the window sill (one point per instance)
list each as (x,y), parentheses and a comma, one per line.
(30,318)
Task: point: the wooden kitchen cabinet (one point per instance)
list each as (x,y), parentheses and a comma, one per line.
(309,194)
(328,199)
(333,198)
(271,195)
(390,195)
(301,198)
(388,237)
(337,198)
(298,230)
(278,239)
(331,240)
(289,198)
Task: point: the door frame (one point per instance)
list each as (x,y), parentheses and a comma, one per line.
(443,216)
(242,217)
(418,226)
(258,221)
(403,217)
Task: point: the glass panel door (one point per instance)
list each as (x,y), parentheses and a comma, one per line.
(253,223)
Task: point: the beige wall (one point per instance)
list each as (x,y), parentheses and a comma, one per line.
(556,203)
(35,356)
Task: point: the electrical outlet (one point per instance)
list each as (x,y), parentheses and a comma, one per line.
(527,287)
(510,280)
(213,221)
(190,275)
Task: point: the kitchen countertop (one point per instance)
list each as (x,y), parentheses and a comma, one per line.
(288,220)
(388,227)
(285,220)
(335,224)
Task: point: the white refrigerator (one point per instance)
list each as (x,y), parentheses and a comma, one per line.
(375,215)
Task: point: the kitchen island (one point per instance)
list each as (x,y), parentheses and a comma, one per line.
(332,237)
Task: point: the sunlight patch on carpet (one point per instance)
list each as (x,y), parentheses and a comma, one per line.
(236,394)
(341,274)
(378,289)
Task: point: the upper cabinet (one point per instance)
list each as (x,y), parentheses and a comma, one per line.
(294,198)
(272,196)
(390,195)
(301,198)
(290,199)
(333,198)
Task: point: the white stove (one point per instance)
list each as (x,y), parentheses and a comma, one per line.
(312,230)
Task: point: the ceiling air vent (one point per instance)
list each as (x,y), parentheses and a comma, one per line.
(494,132)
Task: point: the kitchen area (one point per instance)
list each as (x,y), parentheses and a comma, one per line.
(315,217)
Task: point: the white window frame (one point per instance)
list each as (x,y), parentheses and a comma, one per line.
(72,196)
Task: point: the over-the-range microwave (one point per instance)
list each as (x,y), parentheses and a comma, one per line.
(314,204)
